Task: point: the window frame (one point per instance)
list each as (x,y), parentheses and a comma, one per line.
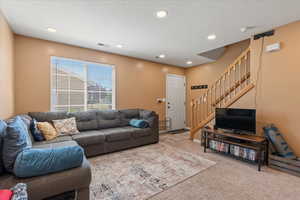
(113,67)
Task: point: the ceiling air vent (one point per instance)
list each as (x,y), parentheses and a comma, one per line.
(100,44)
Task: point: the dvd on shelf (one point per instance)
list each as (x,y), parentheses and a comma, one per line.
(237,151)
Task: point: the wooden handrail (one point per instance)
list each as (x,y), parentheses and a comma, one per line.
(233,83)
(236,61)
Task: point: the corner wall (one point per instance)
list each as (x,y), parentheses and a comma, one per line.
(278,95)
(6,69)
(277,81)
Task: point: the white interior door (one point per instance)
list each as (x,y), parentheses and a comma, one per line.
(175,101)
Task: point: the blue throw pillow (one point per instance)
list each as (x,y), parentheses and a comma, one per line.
(36,133)
(37,162)
(2,132)
(15,141)
(275,137)
(139,123)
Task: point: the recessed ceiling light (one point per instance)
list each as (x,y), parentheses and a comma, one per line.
(212,37)
(52,30)
(161,14)
(189,62)
(244,29)
(162,56)
(247,28)
(120,46)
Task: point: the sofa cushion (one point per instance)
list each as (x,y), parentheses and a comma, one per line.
(61,138)
(15,141)
(37,162)
(141,132)
(117,134)
(40,145)
(48,116)
(145,114)
(85,120)
(128,114)
(89,137)
(108,119)
(79,177)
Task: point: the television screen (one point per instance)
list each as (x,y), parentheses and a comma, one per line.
(236,119)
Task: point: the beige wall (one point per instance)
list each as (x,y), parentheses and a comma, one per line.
(139,82)
(276,91)
(6,69)
(208,73)
(278,94)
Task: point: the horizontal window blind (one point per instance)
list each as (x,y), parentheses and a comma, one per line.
(80,86)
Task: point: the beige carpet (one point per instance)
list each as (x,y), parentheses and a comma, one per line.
(228,179)
(142,172)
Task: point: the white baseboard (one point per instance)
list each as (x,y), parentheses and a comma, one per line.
(197,141)
(164,131)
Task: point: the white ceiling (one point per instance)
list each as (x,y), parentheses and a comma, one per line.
(132,23)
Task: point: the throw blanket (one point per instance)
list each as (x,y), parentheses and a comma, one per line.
(139,123)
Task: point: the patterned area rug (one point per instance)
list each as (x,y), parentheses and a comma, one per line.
(143,172)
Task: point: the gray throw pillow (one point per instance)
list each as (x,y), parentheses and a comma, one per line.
(15,141)
(2,132)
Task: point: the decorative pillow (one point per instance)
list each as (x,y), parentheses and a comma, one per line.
(15,141)
(19,192)
(280,145)
(37,162)
(139,123)
(6,194)
(66,126)
(36,133)
(48,130)
(2,132)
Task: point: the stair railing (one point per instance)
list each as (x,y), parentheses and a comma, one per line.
(230,86)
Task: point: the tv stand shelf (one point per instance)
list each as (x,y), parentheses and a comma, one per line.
(252,142)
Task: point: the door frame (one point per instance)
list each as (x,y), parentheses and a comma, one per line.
(167,92)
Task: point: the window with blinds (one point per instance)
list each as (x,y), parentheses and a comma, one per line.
(80,86)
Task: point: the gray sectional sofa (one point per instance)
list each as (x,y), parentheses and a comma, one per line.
(100,132)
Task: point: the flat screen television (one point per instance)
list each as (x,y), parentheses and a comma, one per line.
(238,120)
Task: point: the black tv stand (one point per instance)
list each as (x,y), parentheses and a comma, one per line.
(227,142)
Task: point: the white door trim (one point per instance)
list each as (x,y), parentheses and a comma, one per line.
(166,103)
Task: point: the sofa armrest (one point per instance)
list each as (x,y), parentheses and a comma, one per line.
(151,117)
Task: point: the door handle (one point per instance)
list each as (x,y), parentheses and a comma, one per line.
(169,107)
